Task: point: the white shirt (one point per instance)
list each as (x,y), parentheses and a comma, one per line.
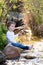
(11,37)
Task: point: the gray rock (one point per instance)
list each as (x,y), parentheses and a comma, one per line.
(2,57)
(40,29)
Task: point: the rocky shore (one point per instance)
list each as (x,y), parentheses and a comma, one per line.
(33,57)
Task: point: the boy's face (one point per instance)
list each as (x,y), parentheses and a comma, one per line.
(12,27)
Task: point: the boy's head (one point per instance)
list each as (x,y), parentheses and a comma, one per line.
(10,25)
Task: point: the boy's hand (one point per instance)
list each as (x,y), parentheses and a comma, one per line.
(20,33)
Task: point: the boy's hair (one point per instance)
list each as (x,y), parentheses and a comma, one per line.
(8,23)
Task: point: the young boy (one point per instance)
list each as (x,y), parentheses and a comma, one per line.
(11,36)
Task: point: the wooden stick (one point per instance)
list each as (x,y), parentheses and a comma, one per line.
(21,27)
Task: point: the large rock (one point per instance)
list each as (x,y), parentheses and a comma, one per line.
(40,29)
(11,52)
(2,57)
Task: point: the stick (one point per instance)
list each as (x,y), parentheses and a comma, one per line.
(21,27)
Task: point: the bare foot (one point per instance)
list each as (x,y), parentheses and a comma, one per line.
(30,47)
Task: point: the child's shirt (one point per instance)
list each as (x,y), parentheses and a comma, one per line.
(11,37)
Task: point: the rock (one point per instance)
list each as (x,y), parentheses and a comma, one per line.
(2,57)
(11,52)
(29,57)
(40,29)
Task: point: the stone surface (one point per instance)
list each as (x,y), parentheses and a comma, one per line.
(40,29)
(2,57)
(38,60)
(38,46)
(11,52)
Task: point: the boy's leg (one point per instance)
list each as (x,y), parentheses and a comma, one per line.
(20,46)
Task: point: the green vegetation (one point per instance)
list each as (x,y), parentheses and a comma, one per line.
(34,6)
(3,39)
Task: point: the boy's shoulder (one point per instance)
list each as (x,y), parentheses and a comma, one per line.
(8,32)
